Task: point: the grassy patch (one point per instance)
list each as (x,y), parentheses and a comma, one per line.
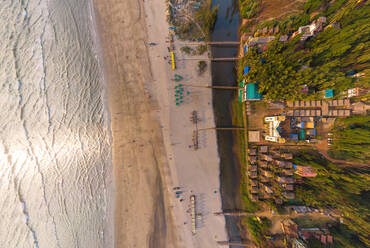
(249,8)
(187,50)
(258,228)
(241,143)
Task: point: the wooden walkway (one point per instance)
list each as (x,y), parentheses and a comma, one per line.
(231,59)
(234,43)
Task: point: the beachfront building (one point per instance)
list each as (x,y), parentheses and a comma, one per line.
(251,92)
(273,134)
(310,30)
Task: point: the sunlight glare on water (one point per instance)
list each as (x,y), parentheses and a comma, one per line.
(55,157)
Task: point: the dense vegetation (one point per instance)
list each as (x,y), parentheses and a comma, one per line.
(351,139)
(346,190)
(199,26)
(323,62)
(207,16)
(249,8)
(258,228)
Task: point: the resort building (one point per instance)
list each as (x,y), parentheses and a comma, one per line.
(273,134)
(312,29)
(251,92)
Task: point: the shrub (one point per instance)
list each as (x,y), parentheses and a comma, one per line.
(202,67)
(187,50)
(249,8)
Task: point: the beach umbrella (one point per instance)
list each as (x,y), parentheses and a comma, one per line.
(177,91)
(180,85)
(188,93)
(181,97)
(182,89)
(177,104)
(181,101)
(176,87)
(177,95)
(181,93)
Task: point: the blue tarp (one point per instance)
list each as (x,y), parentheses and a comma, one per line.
(245,48)
(246,69)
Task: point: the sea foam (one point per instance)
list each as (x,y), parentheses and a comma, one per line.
(54,140)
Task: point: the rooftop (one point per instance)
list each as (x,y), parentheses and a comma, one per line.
(254,136)
(252,92)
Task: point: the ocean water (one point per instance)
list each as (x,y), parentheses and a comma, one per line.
(55,151)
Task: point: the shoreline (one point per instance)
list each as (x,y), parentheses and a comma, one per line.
(109,177)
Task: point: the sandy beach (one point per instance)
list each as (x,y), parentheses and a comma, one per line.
(141,219)
(152,137)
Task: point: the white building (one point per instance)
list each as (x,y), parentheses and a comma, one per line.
(273,123)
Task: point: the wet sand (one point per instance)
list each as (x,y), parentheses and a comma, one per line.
(141,216)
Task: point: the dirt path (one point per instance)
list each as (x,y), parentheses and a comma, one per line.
(341,163)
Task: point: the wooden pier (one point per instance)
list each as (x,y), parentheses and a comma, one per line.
(240,243)
(215,87)
(210,43)
(222,128)
(230,59)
